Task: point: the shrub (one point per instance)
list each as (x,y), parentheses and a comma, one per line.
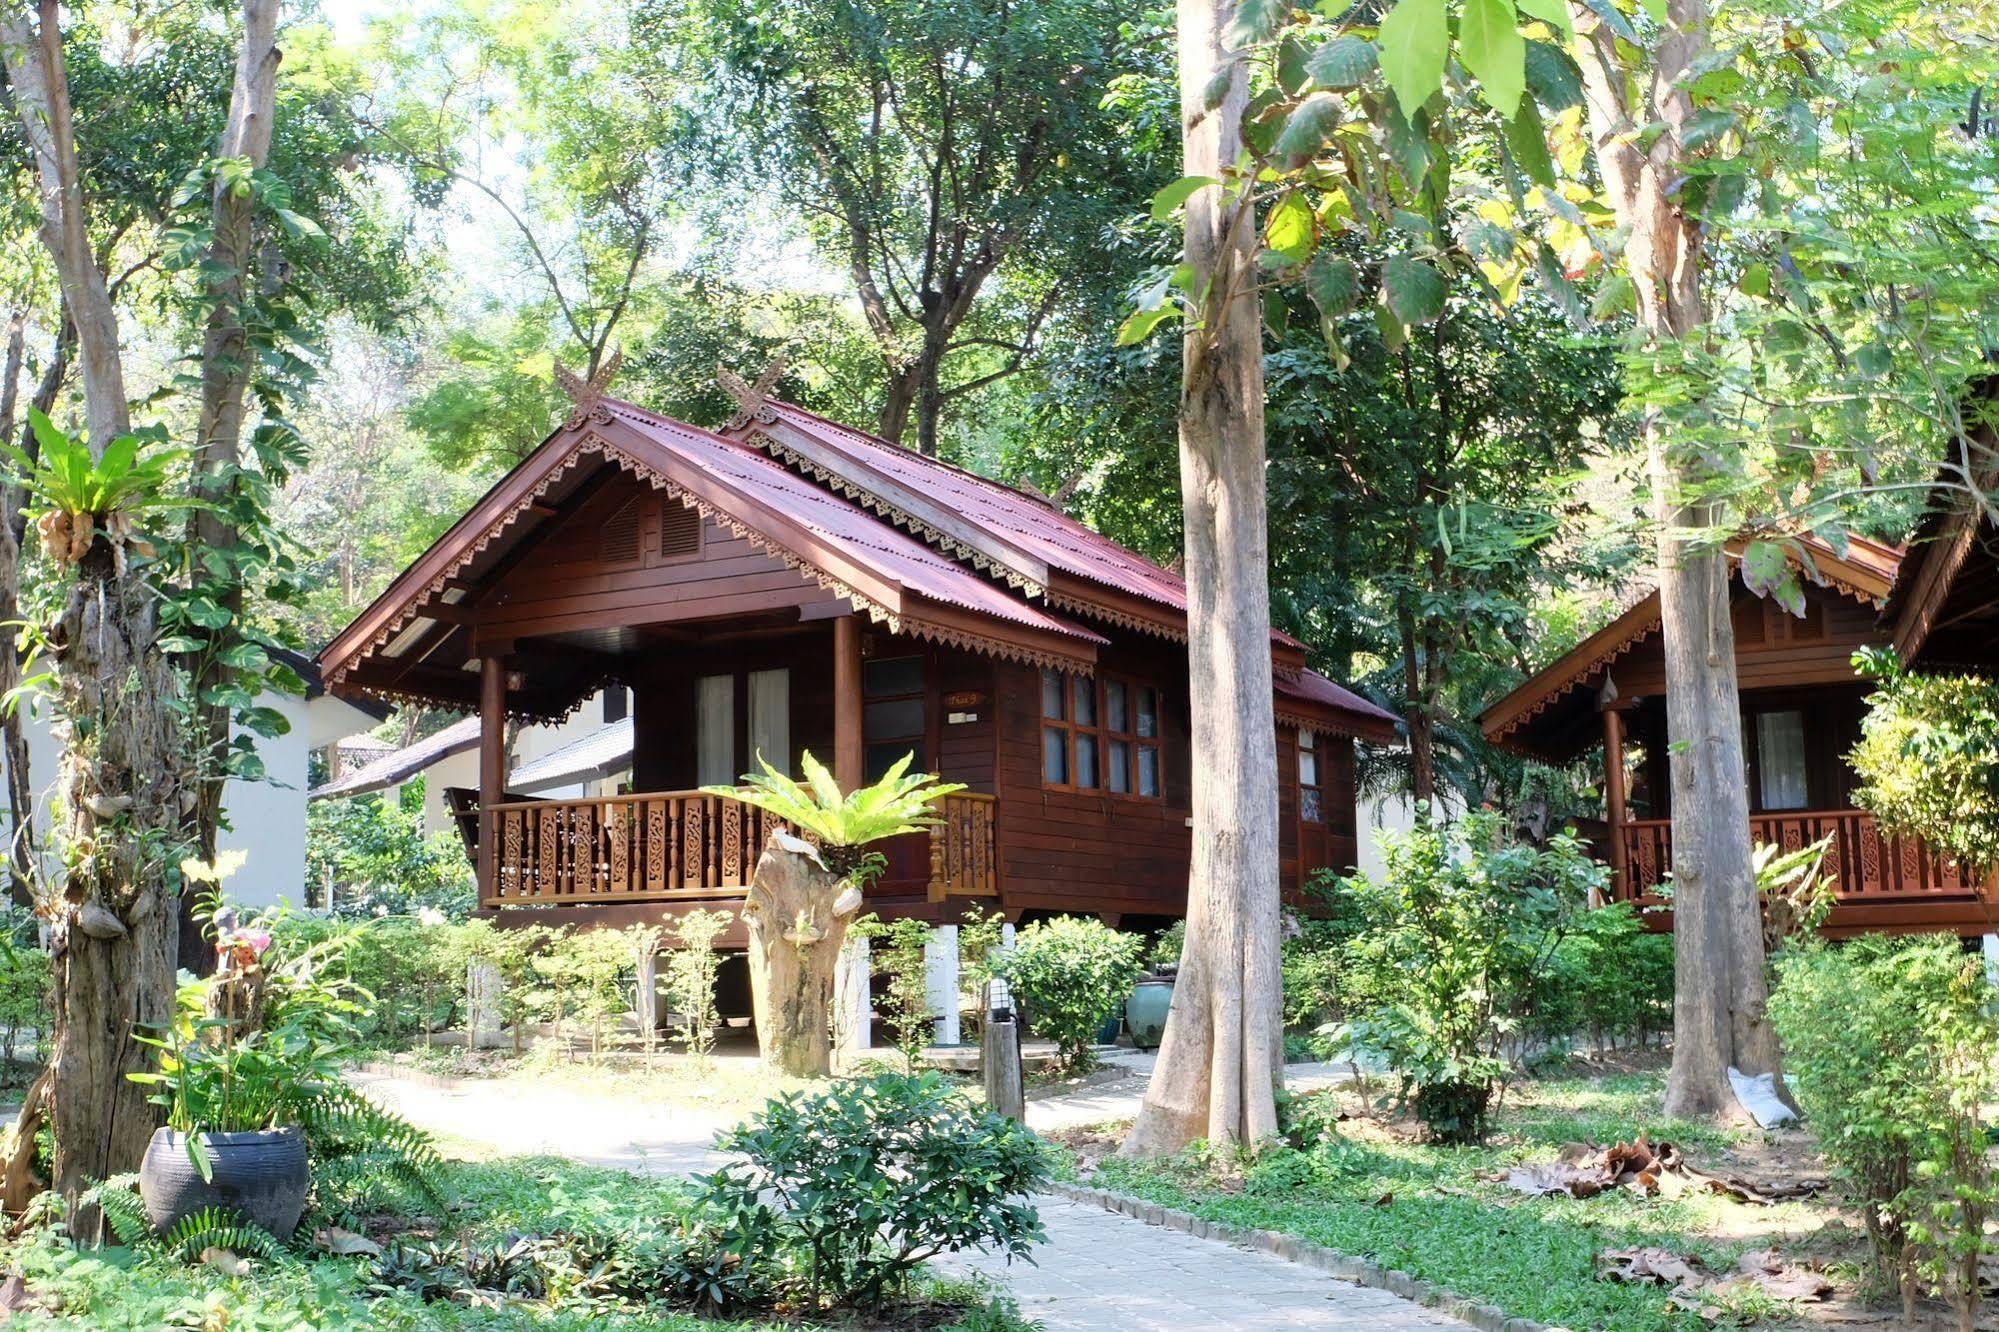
(1889,1047)
(1928,757)
(856,1186)
(896,957)
(1445,953)
(25,979)
(1607,976)
(690,981)
(1069,974)
(375,853)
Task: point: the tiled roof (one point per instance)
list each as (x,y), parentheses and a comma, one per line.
(604,752)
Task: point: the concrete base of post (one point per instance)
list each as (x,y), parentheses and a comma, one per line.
(485,1019)
(940,982)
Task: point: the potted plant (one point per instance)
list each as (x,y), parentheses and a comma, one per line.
(1151,996)
(234,1091)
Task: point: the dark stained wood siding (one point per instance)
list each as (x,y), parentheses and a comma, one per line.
(567,583)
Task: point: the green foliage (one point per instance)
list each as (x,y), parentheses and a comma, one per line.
(378,858)
(844,823)
(1888,1045)
(1444,953)
(1069,974)
(25,985)
(897,957)
(856,1186)
(1928,758)
(690,980)
(1608,977)
(1795,892)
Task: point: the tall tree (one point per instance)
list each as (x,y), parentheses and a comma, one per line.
(936,151)
(112,941)
(1813,177)
(1223,1052)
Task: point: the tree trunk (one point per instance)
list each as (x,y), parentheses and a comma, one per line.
(797,914)
(112,942)
(225,377)
(1222,1055)
(111,925)
(898,398)
(1719,986)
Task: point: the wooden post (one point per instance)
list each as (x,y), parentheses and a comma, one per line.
(847,702)
(999,1055)
(492,765)
(1613,801)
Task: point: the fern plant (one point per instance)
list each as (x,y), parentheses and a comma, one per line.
(194,1234)
(843,824)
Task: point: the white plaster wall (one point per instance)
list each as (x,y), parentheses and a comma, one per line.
(267,818)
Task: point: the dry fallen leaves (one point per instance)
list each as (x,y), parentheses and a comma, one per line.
(1582,1171)
(1709,1294)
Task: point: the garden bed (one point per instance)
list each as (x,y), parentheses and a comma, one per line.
(1371,1187)
(518,1206)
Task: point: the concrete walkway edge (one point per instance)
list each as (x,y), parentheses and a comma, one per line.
(1293,1249)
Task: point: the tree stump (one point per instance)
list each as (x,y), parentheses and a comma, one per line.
(797,914)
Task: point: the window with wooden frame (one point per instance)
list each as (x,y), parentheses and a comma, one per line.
(1100,735)
(1311,795)
(892,715)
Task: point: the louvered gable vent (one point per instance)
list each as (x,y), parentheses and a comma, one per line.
(679,530)
(620,540)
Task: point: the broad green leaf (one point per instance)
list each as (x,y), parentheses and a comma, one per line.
(1490,44)
(1290,230)
(1552,77)
(1392,330)
(1168,200)
(1705,127)
(1755,280)
(1413,289)
(1138,325)
(1217,90)
(1307,130)
(1333,282)
(1607,11)
(1529,143)
(1344,62)
(1255,22)
(1554,13)
(1408,142)
(1414,38)
(1292,72)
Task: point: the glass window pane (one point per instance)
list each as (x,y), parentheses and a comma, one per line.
(1115,717)
(715,731)
(1055,755)
(1086,701)
(1308,759)
(1311,805)
(1148,771)
(1120,773)
(770,718)
(892,717)
(1780,759)
(877,759)
(890,676)
(1051,694)
(1148,710)
(1086,761)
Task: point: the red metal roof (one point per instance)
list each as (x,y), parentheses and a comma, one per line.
(912,564)
(1056,538)
(1310,687)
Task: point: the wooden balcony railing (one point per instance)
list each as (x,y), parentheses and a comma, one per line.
(962,862)
(1872,866)
(667,845)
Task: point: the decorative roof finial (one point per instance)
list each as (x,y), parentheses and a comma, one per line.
(751,399)
(587,394)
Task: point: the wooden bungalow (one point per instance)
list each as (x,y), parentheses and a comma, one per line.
(786,583)
(1801,710)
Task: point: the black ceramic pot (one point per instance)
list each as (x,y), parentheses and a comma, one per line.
(261,1176)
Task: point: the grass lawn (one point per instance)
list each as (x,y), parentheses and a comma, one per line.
(123,1290)
(1375,1190)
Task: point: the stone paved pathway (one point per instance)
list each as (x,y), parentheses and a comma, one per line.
(1103,1272)
(1098,1272)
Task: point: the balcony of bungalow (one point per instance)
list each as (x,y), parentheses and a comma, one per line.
(1802,707)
